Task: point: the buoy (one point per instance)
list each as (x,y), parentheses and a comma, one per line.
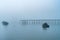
(45,25)
(5,23)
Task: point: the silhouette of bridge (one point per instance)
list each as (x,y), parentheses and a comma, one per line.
(40,21)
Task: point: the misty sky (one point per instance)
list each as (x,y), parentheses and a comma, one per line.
(30,9)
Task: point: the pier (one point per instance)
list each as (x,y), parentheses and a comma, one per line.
(40,21)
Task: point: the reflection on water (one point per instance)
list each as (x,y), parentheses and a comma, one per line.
(31,31)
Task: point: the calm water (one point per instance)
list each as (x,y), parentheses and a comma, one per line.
(29,32)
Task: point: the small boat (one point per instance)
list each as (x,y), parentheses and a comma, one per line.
(5,23)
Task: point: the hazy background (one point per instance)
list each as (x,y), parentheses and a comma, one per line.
(30,9)
(14,10)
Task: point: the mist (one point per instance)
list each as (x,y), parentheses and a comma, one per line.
(12,11)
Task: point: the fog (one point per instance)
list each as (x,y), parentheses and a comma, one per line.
(12,11)
(30,9)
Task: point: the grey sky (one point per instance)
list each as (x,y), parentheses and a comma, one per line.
(30,9)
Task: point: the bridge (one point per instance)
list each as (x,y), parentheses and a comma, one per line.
(40,21)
